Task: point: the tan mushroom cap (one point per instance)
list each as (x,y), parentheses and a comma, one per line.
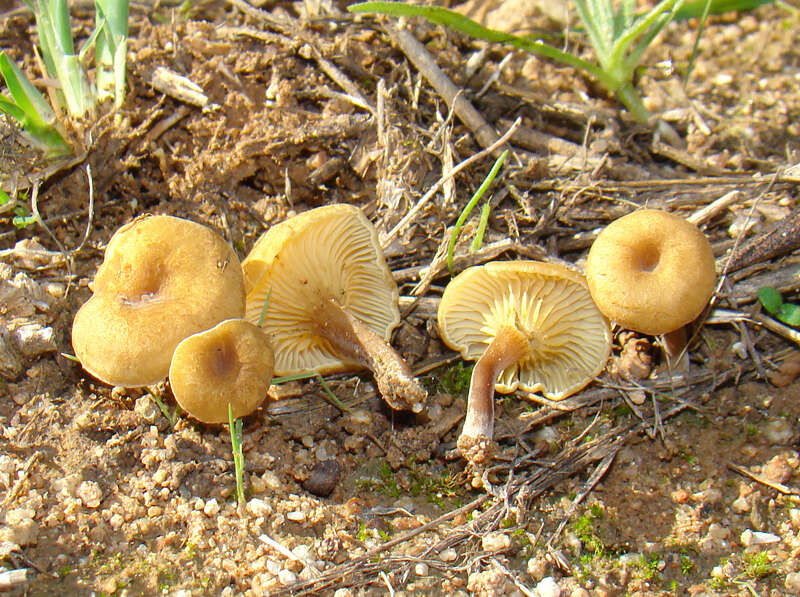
(162,279)
(651,271)
(230,363)
(326,253)
(550,304)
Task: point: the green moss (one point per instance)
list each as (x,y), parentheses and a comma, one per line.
(757,565)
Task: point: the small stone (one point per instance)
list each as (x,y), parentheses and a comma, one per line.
(740,505)
(794,518)
(496,541)
(109,586)
(343,592)
(749,538)
(154,511)
(146,409)
(448,555)
(680,496)
(296,516)
(259,508)
(629,559)
(20,527)
(548,587)
(287,577)
(579,592)
(90,494)
(421,569)
(778,470)
(211,507)
(778,432)
(537,568)
(792,583)
(324,478)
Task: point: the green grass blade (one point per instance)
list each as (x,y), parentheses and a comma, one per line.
(696,47)
(653,18)
(111,49)
(462,217)
(696,9)
(462,24)
(601,48)
(235,426)
(477,242)
(30,109)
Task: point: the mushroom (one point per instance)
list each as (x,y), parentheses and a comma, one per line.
(328,301)
(530,326)
(652,272)
(229,364)
(162,279)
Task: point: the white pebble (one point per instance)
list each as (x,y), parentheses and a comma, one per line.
(548,587)
(296,516)
(421,569)
(211,507)
(448,555)
(90,494)
(496,541)
(258,507)
(740,505)
(749,538)
(286,577)
(537,568)
(778,432)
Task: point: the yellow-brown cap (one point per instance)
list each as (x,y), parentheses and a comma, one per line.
(162,279)
(326,253)
(651,271)
(229,364)
(569,339)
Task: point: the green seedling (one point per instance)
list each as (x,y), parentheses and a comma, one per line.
(462,217)
(235,426)
(29,108)
(757,565)
(617,34)
(172,418)
(73,94)
(772,301)
(22,218)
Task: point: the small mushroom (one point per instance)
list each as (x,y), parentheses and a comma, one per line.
(229,364)
(328,300)
(652,272)
(162,279)
(530,326)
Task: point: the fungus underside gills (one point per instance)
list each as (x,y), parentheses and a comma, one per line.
(507,348)
(354,339)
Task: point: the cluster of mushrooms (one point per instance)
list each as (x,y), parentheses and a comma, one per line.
(315,295)
(172,299)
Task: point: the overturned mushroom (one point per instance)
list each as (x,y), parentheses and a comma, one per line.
(162,279)
(530,326)
(328,300)
(652,272)
(229,364)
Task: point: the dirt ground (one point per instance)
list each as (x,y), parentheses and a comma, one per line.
(681,487)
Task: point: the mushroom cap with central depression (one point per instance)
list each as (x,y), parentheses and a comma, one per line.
(651,271)
(162,279)
(327,253)
(569,339)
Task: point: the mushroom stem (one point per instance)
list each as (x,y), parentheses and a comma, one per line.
(674,343)
(475,441)
(355,340)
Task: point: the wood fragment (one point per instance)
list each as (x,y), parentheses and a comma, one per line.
(704,214)
(485,135)
(780,487)
(781,238)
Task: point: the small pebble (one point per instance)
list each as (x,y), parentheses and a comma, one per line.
(548,587)
(537,568)
(421,569)
(448,555)
(296,516)
(211,507)
(258,507)
(778,432)
(286,577)
(324,478)
(90,494)
(740,505)
(497,541)
(749,538)
(778,470)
